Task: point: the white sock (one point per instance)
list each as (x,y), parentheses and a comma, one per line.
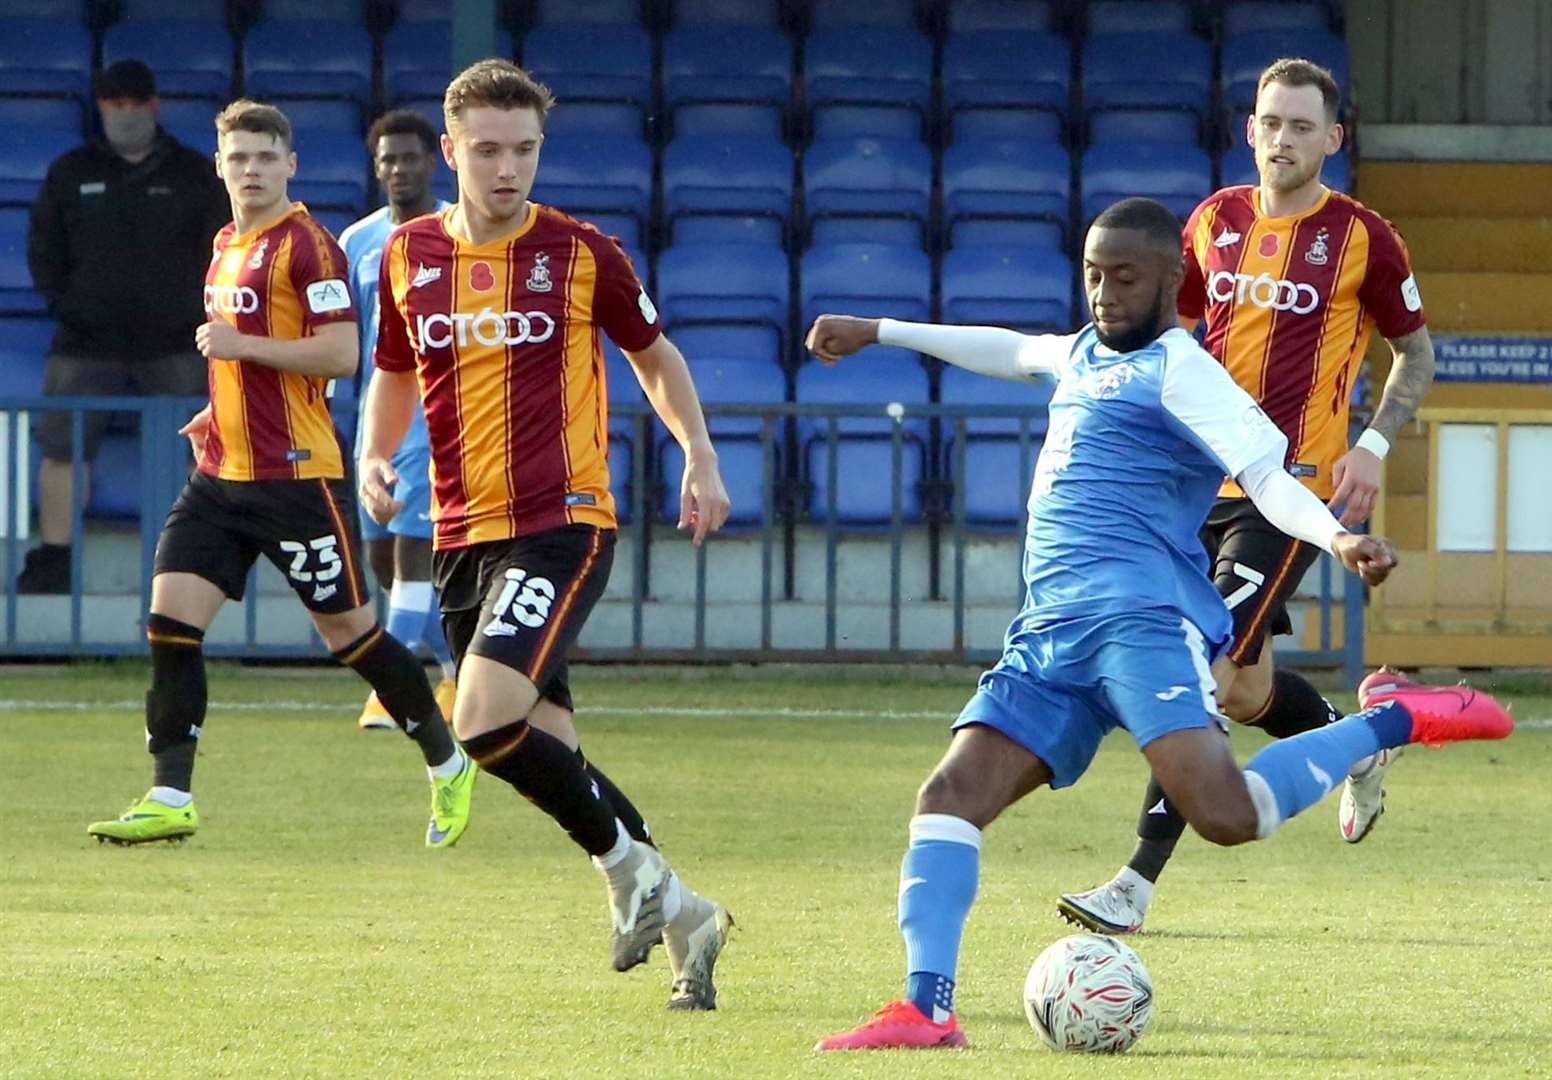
(170,796)
(1142,888)
(1268,817)
(615,855)
(449,671)
(449,768)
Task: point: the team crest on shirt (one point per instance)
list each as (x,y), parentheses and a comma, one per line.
(1319,252)
(257,262)
(539,276)
(481,277)
(1107,382)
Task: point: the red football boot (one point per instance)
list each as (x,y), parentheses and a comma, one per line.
(898,1025)
(1440,714)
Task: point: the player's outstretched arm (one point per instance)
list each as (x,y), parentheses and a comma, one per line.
(1295,510)
(329,352)
(986,350)
(1357,472)
(703,498)
(390,406)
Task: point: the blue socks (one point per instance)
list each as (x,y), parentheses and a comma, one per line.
(1292,774)
(938,879)
(435,640)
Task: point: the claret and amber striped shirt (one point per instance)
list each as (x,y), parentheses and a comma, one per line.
(282,281)
(1290,304)
(504,340)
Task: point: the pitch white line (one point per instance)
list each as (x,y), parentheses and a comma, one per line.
(591,710)
(1537,724)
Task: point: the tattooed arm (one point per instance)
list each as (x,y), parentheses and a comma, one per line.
(1357,473)
(1411,374)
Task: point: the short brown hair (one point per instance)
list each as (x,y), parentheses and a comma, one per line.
(1296,71)
(247,115)
(498,84)
(401,122)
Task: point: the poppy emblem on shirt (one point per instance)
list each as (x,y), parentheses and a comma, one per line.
(1269,245)
(481,277)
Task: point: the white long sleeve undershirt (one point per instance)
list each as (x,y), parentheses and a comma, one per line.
(1288,504)
(985,350)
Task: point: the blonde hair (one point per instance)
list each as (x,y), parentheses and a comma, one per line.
(498,84)
(247,115)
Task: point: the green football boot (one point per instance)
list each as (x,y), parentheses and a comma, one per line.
(450,806)
(147,821)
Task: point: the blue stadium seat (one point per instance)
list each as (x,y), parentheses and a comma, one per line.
(44,57)
(1007,180)
(874,77)
(592,62)
(192,122)
(289,59)
(1245,56)
(1138,17)
(601,12)
(24,348)
(622,387)
(966,15)
(733,229)
(872,279)
(864,448)
(1177,176)
(115,490)
(1012,124)
(1260,16)
(758,13)
(740,455)
(727,177)
(331,173)
(587,175)
(26,160)
(417,57)
(16,293)
(190,59)
(727,73)
(1147,71)
(1144,125)
(867,190)
(1026,288)
(726,286)
(191,11)
(896,14)
(1005,70)
(997,471)
(319,120)
(345,12)
(61,114)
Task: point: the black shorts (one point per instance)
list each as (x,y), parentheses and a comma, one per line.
(178,375)
(522,602)
(1256,569)
(307,528)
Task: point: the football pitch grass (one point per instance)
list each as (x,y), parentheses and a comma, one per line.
(307,932)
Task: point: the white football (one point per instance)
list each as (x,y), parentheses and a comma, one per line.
(1089,993)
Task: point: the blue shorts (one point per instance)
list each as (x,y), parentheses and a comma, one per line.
(1058,691)
(413,464)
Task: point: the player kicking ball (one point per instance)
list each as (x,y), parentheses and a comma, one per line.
(270,480)
(1121,625)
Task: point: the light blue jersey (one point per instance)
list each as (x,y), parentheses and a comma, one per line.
(1120,619)
(363,245)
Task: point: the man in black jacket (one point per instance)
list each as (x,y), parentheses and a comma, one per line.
(119,240)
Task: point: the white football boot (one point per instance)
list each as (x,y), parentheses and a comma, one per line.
(1110,909)
(1363,796)
(636,906)
(694,939)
